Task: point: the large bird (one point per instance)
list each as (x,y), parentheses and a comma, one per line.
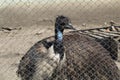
(73,56)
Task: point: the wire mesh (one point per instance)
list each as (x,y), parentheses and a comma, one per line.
(24,22)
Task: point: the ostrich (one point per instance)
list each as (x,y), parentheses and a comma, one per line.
(73,56)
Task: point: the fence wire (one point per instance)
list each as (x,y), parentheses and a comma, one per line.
(90,53)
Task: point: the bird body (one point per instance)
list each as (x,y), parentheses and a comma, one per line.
(45,65)
(73,56)
(47,57)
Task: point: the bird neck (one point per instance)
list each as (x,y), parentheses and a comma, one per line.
(58,45)
(58,34)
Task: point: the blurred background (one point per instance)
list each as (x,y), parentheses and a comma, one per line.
(31,12)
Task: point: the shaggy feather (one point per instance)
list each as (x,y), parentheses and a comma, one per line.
(85,60)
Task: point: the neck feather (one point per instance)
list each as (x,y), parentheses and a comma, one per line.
(58,33)
(58,45)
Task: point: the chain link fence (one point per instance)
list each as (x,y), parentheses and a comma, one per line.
(92,53)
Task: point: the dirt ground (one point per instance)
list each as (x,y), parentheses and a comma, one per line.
(33,23)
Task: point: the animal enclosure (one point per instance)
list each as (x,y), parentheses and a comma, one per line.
(24,23)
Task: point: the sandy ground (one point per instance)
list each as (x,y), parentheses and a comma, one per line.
(13,46)
(37,22)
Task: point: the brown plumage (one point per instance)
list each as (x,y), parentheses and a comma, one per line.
(85,60)
(111,45)
(73,56)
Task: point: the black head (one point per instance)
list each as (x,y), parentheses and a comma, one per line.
(63,22)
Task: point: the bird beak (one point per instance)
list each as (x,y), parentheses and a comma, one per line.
(69,26)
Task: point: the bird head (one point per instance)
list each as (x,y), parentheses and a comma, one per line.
(63,22)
